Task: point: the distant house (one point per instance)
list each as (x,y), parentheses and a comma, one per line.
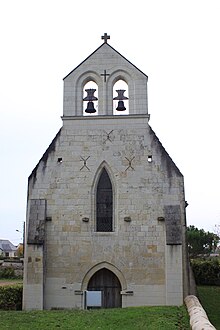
(7,249)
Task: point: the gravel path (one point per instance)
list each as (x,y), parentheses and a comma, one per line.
(4,283)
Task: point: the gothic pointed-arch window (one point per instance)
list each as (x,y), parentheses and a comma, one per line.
(104,203)
(120,98)
(90,98)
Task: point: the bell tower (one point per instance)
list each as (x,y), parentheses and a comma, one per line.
(105,84)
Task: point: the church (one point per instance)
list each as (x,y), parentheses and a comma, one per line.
(106,219)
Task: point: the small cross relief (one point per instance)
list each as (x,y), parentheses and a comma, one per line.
(105,75)
(84,163)
(130,163)
(108,138)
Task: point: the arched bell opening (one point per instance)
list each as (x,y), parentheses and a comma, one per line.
(120,98)
(104,203)
(108,283)
(90,98)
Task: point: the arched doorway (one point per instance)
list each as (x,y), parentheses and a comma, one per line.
(106,281)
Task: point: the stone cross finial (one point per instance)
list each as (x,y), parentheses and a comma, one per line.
(105,37)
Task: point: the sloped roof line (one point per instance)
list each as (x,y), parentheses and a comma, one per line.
(96,51)
(6,245)
(167,160)
(50,148)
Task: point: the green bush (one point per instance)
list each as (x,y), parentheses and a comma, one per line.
(11,297)
(7,272)
(206,272)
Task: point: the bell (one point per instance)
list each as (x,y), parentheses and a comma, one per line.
(90,107)
(90,95)
(120,97)
(121,106)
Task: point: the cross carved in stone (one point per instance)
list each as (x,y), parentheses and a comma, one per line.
(105,75)
(108,136)
(105,37)
(130,163)
(84,163)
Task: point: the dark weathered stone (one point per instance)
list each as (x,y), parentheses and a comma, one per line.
(173,224)
(36,224)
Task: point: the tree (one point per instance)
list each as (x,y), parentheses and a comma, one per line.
(20,250)
(201,242)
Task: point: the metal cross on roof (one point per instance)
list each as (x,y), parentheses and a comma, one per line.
(105,37)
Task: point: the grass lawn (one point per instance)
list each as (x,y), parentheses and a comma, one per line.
(210,299)
(150,318)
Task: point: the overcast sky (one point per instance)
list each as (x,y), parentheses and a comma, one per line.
(176,43)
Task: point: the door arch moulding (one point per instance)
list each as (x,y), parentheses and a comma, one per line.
(100,266)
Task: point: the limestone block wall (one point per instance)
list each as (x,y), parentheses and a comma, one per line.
(174,274)
(144,180)
(33,288)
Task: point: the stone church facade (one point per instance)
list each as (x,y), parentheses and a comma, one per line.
(106,207)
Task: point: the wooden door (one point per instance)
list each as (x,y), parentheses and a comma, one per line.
(106,281)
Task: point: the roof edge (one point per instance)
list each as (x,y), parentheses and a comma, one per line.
(104,43)
(168,161)
(50,148)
